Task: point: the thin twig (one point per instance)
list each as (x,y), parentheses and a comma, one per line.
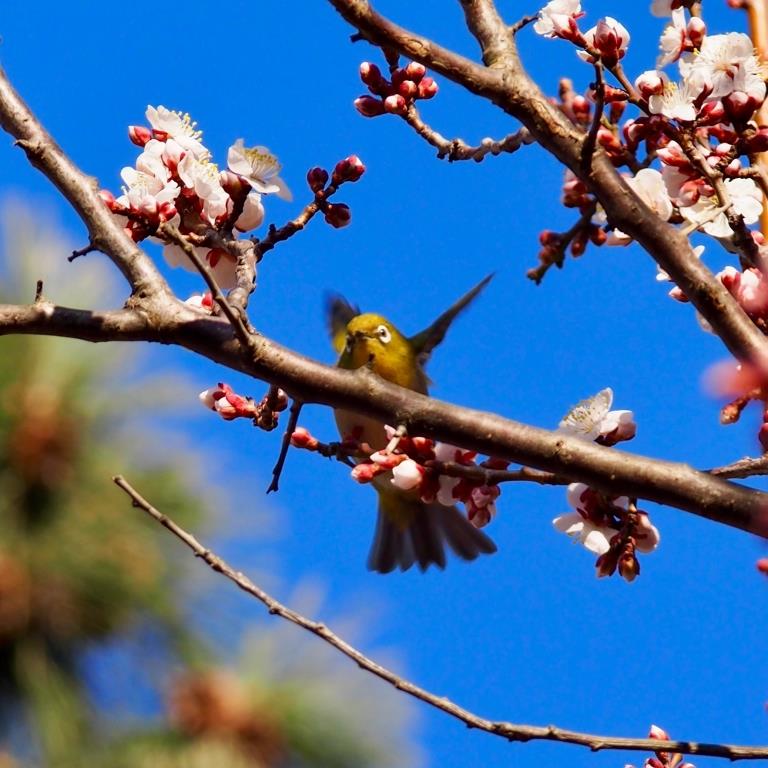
(76,254)
(510,731)
(290,428)
(458,149)
(588,149)
(746,467)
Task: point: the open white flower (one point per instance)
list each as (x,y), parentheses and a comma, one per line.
(593,418)
(718,62)
(745,197)
(672,39)
(203,177)
(593,537)
(555,17)
(144,192)
(169,124)
(676,100)
(259,167)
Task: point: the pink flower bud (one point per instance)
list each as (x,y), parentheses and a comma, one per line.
(365,472)
(349,169)
(395,105)
(367,106)
(649,83)
(762,565)
(712,112)
(415,71)
(408,90)
(581,108)
(740,106)
(696,31)
(371,75)
(611,40)
(338,215)
(139,135)
(301,438)
(658,733)
(317,178)
(427,88)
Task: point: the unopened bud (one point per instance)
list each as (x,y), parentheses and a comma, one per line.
(349,169)
(408,90)
(338,215)
(139,135)
(581,108)
(548,237)
(712,112)
(317,178)
(395,105)
(371,75)
(579,244)
(649,83)
(301,438)
(597,235)
(234,184)
(696,31)
(762,565)
(629,566)
(367,106)
(415,71)
(427,88)
(740,106)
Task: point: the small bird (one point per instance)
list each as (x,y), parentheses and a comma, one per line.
(408,530)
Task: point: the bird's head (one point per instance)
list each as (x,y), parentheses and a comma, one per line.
(372,340)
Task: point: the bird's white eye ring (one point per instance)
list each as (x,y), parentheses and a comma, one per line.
(348,344)
(384,335)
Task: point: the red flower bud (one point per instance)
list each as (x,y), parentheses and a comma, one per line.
(427,88)
(758,142)
(301,438)
(408,90)
(367,106)
(415,71)
(349,169)
(395,105)
(371,75)
(338,215)
(139,135)
(317,178)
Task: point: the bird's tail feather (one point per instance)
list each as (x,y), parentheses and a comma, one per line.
(409,531)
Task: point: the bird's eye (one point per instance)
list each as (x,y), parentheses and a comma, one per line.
(384,335)
(348,345)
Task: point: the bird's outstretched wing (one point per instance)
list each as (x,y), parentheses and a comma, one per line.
(338,313)
(424,342)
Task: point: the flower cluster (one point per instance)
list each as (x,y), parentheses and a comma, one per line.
(350,169)
(431,470)
(229,405)
(176,181)
(698,127)
(609,526)
(663,759)
(396,95)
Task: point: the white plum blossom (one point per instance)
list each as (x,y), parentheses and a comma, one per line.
(672,39)
(593,537)
(706,212)
(259,167)
(719,61)
(593,419)
(555,17)
(175,125)
(203,177)
(146,193)
(676,101)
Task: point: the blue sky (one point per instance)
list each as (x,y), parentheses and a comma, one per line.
(529,635)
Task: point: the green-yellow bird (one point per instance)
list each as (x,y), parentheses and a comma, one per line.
(408,531)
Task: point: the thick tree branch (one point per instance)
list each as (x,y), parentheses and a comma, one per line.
(104,231)
(361,391)
(507,730)
(506,84)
